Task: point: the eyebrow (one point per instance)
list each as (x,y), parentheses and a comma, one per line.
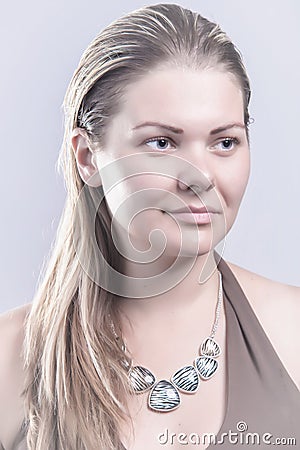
(180,131)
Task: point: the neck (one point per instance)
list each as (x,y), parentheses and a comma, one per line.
(185,299)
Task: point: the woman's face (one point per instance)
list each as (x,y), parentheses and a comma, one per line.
(176,128)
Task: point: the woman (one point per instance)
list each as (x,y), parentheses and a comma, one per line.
(156,162)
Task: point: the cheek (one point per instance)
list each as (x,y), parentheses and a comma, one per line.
(136,194)
(133,179)
(233,179)
(158,183)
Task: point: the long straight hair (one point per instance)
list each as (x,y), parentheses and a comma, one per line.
(76,389)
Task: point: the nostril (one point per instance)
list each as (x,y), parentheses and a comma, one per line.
(207,185)
(183,185)
(211,186)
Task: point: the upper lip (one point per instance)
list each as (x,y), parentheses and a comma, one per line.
(195,209)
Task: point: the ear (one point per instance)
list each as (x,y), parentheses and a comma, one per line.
(84,158)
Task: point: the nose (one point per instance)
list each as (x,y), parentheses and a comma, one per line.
(196,177)
(196,188)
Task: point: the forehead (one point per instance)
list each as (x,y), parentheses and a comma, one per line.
(183,96)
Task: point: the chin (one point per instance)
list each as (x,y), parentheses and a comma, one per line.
(197,244)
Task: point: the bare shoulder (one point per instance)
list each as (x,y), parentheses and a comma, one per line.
(277,307)
(12,333)
(11,372)
(257,285)
(12,320)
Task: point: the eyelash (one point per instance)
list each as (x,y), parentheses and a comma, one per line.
(234,140)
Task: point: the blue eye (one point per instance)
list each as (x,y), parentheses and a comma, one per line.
(160,143)
(228,144)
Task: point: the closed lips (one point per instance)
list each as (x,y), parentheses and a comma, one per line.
(195,210)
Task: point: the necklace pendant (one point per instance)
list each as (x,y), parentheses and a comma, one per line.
(206,366)
(141,379)
(164,397)
(186,379)
(210,347)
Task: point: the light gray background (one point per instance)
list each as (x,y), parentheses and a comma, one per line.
(41,43)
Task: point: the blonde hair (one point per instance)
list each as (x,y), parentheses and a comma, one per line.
(76,389)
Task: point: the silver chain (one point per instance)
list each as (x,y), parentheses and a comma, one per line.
(218,307)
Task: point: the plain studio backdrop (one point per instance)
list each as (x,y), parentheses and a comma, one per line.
(41,45)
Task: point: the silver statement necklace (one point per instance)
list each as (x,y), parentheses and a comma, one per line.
(164,395)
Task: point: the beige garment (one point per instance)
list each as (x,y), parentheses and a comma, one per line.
(260,392)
